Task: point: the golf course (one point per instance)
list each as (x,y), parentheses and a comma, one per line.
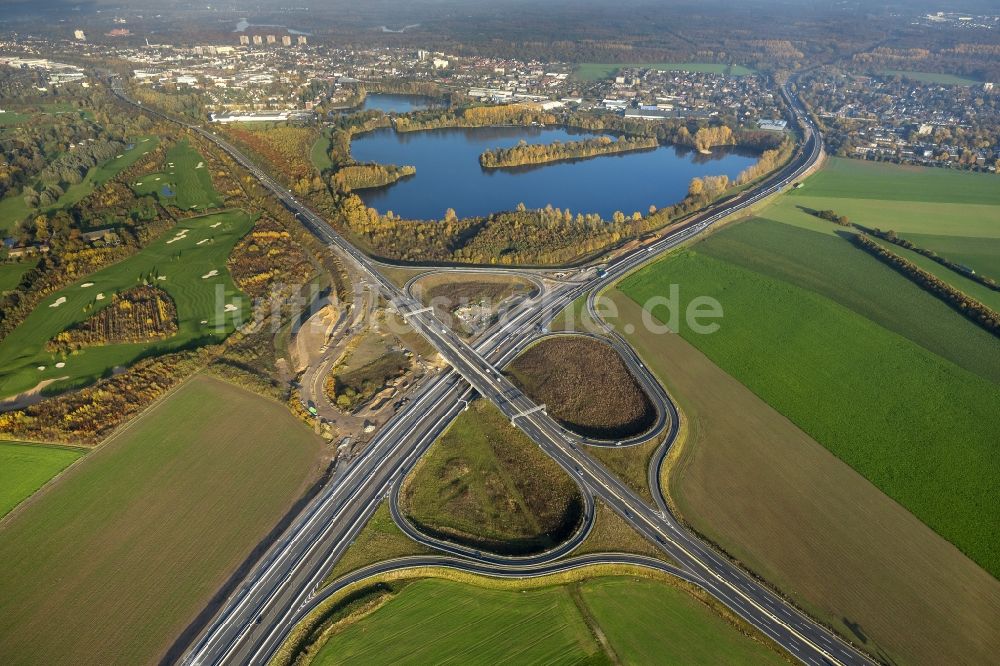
(187,262)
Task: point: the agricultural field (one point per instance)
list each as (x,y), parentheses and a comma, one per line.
(856,559)
(585,385)
(594,71)
(188,262)
(808,259)
(871,396)
(486,484)
(144,531)
(931,77)
(24,468)
(642,620)
(185,181)
(828,351)
(13,209)
(850,179)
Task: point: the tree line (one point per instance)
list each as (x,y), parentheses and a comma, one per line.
(973,309)
(965,271)
(524,153)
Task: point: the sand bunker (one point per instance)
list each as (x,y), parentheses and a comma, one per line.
(100,296)
(40,368)
(214,225)
(230,307)
(60,364)
(86,284)
(59,301)
(200,165)
(204,240)
(210,274)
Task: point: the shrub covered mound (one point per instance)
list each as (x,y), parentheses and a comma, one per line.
(585,385)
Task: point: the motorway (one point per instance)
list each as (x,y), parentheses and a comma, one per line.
(281,588)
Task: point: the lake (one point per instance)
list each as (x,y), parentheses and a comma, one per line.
(393,103)
(449,176)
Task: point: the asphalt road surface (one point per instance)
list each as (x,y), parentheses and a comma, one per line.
(254,620)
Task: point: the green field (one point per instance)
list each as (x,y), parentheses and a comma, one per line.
(24,468)
(13,208)
(917,426)
(185,262)
(741,473)
(319,153)
(184,182)
(931,77)
(10,274)
(981,254)
(12,118)
(843,178)
(980,292)
(442,621)
(834,268)
(486,484)
(595,71)
(112,562)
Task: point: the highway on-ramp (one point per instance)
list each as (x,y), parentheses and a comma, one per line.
(253,621)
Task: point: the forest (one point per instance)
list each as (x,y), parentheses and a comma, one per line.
(524,153)
(360,176)
(474,116)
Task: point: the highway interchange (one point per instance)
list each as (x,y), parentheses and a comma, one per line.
(283,587)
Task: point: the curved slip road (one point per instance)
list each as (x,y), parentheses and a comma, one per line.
(252,622)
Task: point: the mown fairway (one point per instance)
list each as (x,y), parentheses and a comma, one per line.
(809,524)
(10,274)
(191,259)
(184,182)
(120,554)
(13,208)
(486,484)
(24,468)
(595,71)
(441,621)
(917,426)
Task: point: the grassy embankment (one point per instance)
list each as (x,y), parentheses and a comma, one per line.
(191,259)
(25,467)
(595,71)
(485,484)
(319,154)
(185,181)
(833,347)
(585,385)
(13,208)
(133,541)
